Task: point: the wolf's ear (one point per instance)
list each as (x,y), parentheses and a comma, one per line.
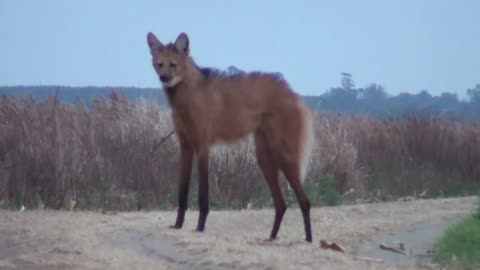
(182,44)
(154,43)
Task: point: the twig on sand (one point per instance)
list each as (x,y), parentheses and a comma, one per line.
(400,249)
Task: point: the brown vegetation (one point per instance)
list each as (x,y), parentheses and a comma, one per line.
(52,154)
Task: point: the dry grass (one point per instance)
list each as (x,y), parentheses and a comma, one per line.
(53,154)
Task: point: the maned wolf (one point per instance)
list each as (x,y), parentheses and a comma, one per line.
(209,107)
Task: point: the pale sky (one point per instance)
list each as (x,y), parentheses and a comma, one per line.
(406,45)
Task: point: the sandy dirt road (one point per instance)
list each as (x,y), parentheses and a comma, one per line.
(42,239)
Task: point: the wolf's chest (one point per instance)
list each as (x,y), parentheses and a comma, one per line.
(190,120)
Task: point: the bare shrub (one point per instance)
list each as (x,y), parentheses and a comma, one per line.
(236,177)
(397,156)
(335,154)
(53,153)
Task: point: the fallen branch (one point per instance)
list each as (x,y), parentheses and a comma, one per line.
(400,249)
(161,141)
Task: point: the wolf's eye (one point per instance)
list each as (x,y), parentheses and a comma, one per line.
(173,65)
(159,65)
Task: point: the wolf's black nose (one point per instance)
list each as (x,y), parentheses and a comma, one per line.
(165,78)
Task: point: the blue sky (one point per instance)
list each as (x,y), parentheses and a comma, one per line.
(406,45)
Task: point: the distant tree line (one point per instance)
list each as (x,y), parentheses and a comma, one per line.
(85,94)
(375,101)
(372,100)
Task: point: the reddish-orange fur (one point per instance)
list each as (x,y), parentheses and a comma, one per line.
(210,107)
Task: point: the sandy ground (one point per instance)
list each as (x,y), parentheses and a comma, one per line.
(40,240)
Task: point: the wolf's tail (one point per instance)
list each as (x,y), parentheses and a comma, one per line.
(307,141)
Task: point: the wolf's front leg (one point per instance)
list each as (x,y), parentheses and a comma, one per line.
(186,159)
(202,189)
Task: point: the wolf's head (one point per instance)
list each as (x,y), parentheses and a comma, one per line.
(169,61)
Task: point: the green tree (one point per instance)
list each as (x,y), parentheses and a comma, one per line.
(347,81)
(474,94)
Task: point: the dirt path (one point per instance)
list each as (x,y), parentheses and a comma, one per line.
(40,240)
(413,243)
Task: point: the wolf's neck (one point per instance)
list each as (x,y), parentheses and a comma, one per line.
(194,74)
(191,79)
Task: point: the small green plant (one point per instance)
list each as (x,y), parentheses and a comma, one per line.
(107,198)
(460,245)
(164,205)
(476,214)
(383,179)
(379,177)
(329,194)
(262,198)
(10,205)
(433,194)
(290,197)
(455,189)
(312,191)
